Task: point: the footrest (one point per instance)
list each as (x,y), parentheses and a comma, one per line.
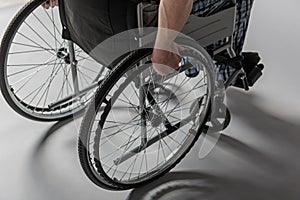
(233,62)
(252,76)
(255,74)
(252,68)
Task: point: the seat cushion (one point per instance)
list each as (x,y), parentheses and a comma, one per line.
(90,22)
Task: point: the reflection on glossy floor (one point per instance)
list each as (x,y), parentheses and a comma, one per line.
(257,157)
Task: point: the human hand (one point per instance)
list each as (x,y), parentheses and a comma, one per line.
(50,4)
(166,61)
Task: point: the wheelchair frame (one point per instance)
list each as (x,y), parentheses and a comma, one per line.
(205,30)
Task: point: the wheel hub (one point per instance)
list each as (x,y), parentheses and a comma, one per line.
(63,54)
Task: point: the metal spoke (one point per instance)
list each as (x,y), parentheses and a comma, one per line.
(65,80)
(115,151)
(53,35)
(88,69)
(32,46)
(123,124)
(30,27)
(29,69)
(85,75)
(33,64)
(125,149)
(26,52)
(31,76)
(36,43)
(46,91)
(184,97)
(40,87)
(116,133)
(52,21)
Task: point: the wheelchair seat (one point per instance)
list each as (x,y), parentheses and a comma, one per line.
(89,22)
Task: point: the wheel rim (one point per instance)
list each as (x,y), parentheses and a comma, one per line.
(37,71)
(110,136)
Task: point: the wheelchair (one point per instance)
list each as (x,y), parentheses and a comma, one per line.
(138,125)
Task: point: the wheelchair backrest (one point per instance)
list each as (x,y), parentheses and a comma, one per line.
(208,30)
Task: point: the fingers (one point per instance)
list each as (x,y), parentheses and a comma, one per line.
(163,70)
(55,3)
(50,4)
(46,5)
(165,62)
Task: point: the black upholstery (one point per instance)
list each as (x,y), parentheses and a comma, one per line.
(90,22)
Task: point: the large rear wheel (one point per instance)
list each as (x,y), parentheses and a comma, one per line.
(140,125)
(36,75)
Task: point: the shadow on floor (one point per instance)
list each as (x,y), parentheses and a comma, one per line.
(51,131)
(246,107)
(192,185)
(197,186)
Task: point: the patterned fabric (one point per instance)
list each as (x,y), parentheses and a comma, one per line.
(206,7)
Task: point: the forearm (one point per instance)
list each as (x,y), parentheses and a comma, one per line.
(173,14)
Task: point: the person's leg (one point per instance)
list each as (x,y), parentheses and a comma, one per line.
(202,7)
(243,14)
(244,8)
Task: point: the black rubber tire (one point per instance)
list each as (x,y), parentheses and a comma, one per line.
(104,181)
(4,48)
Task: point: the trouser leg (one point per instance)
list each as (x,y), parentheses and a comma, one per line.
(202,7)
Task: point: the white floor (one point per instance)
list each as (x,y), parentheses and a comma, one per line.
(256,158)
